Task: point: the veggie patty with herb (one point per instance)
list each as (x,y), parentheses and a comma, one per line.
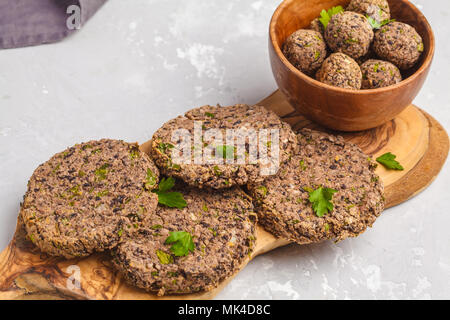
(89,197)
(224,175)
(190,249)
(328,190)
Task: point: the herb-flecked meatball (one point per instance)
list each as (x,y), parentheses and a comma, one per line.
(349,33)
(340,70)
(377,9)
(398,43)
(306,50)
(379,74)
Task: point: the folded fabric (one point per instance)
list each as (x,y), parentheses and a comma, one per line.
(33,22)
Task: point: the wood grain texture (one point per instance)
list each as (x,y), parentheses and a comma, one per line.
(419,141)
(337,108)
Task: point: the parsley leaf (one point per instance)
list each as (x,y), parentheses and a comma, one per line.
(102,172)
(377,24)
(164,147)
(226,152)
(325,16)
(150,180)
(182,243)
(164,258)
(389,162)
(166,184)
(170,199)
(321,200)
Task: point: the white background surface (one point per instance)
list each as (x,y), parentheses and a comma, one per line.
(135,66)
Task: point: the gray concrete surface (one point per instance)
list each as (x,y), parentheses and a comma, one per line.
(134,66)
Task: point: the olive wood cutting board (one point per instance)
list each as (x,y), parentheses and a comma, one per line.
(419,141)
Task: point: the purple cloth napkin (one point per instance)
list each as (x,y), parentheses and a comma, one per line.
(33,22)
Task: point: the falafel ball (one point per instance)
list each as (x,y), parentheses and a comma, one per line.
(398,43)
(340,70)
(377,9)
(349,33)
(316,25)
(306,50)
(379,74)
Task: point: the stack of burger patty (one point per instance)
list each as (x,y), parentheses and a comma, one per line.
(176,228)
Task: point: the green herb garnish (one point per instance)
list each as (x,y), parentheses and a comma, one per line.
(75,191)
(389,162)
(263,190)
(226,152)
(102,171)
(217,171)
(325,15)
(375,67)
(181,243)
(302,164)
(87,146)
(164,258)
(134,153)
(316,55)
(377,24)
(321,200)
(351,40)
(55,169)
(170,199)
(102,193)
(420,47)
(163,147)
(214,232)
(211,115)
(150,180)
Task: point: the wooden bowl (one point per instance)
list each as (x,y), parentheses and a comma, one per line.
(337,108)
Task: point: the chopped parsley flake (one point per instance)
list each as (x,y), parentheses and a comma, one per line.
(150,180)
(164,147)
(102,171)
(226,152)
(164,258)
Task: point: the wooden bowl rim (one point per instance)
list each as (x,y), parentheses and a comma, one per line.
(313,82)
